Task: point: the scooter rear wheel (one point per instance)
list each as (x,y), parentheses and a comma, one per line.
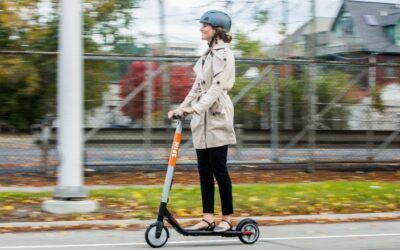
(151,239)
(250,231)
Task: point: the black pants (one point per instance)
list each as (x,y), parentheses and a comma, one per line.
(212,162)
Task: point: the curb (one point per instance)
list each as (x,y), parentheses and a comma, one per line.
(89,187)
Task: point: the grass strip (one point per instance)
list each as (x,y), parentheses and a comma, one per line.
(249,199)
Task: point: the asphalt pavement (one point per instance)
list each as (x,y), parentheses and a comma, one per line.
(336,236)
(21,154)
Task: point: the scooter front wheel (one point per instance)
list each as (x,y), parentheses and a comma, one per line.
(250,232)
(151,239)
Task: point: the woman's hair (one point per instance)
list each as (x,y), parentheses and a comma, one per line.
(223,35)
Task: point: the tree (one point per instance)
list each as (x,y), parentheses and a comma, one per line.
(250,110)
(180,80)
(33,25)
(328,86)
(132,80)
(255,105)
(22,80)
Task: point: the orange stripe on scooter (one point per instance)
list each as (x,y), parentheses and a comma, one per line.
(174,150)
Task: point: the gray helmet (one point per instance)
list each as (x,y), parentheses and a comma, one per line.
(217,18)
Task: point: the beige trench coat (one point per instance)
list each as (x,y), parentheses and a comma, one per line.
(212,121)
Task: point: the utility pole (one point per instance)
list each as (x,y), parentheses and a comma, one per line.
(312,98)
(313,38)
(228,4)
(285,15)
(70,194)
(288,115)
(166,99)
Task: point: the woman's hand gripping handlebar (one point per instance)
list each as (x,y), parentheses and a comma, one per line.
(176,116)
(180,114)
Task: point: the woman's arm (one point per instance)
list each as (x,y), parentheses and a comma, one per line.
(193,93)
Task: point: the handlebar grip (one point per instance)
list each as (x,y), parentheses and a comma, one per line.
(177,116)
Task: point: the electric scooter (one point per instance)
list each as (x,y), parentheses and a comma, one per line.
(157,234)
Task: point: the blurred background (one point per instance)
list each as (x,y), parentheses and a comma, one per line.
(317,82)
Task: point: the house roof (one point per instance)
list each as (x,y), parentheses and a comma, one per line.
(373,36)
(390,19)
(322,24)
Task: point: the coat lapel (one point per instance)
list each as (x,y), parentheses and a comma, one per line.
(209,66)
(198,68)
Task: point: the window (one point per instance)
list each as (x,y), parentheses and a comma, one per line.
(344,26)
(370,20)
(393,33)
(390,33)
(397,34)
(389,71)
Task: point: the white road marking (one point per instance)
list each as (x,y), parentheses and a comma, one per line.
(207,241)
(329,237)
(77,245)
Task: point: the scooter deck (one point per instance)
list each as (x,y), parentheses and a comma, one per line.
(230,233)
(174,223)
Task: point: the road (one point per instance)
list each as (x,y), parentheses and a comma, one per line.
(337,236)
(19,157)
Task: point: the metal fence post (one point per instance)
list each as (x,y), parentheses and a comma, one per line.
(371,86)
(239,140)
(288,123)
(274,116)
(312,113)
(45,134)
(148,109)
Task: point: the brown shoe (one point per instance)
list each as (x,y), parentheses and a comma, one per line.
(209,227)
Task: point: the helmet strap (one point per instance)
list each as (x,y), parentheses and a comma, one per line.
(213,39)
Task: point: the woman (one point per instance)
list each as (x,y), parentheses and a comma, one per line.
(212,122)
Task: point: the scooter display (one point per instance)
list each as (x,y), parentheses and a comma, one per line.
(157,234)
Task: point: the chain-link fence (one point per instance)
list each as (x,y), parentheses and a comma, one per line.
(286,111)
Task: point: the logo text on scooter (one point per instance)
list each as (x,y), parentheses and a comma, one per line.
(175,148)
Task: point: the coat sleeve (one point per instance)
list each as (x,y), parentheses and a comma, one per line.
(222,71)
(193,93)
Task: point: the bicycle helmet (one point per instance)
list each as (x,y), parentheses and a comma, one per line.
(217,18)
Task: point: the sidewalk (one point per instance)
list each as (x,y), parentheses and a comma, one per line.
(141,224)
(89,187)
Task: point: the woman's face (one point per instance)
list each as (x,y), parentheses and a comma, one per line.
(207,31)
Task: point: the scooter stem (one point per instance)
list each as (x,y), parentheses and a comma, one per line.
(172,159)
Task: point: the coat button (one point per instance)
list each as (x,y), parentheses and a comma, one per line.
(218,82)
(204,82)
(225,59)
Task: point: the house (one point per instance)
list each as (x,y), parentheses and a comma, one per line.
(369,31)
(175,49)
(294,46)
(361,32)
